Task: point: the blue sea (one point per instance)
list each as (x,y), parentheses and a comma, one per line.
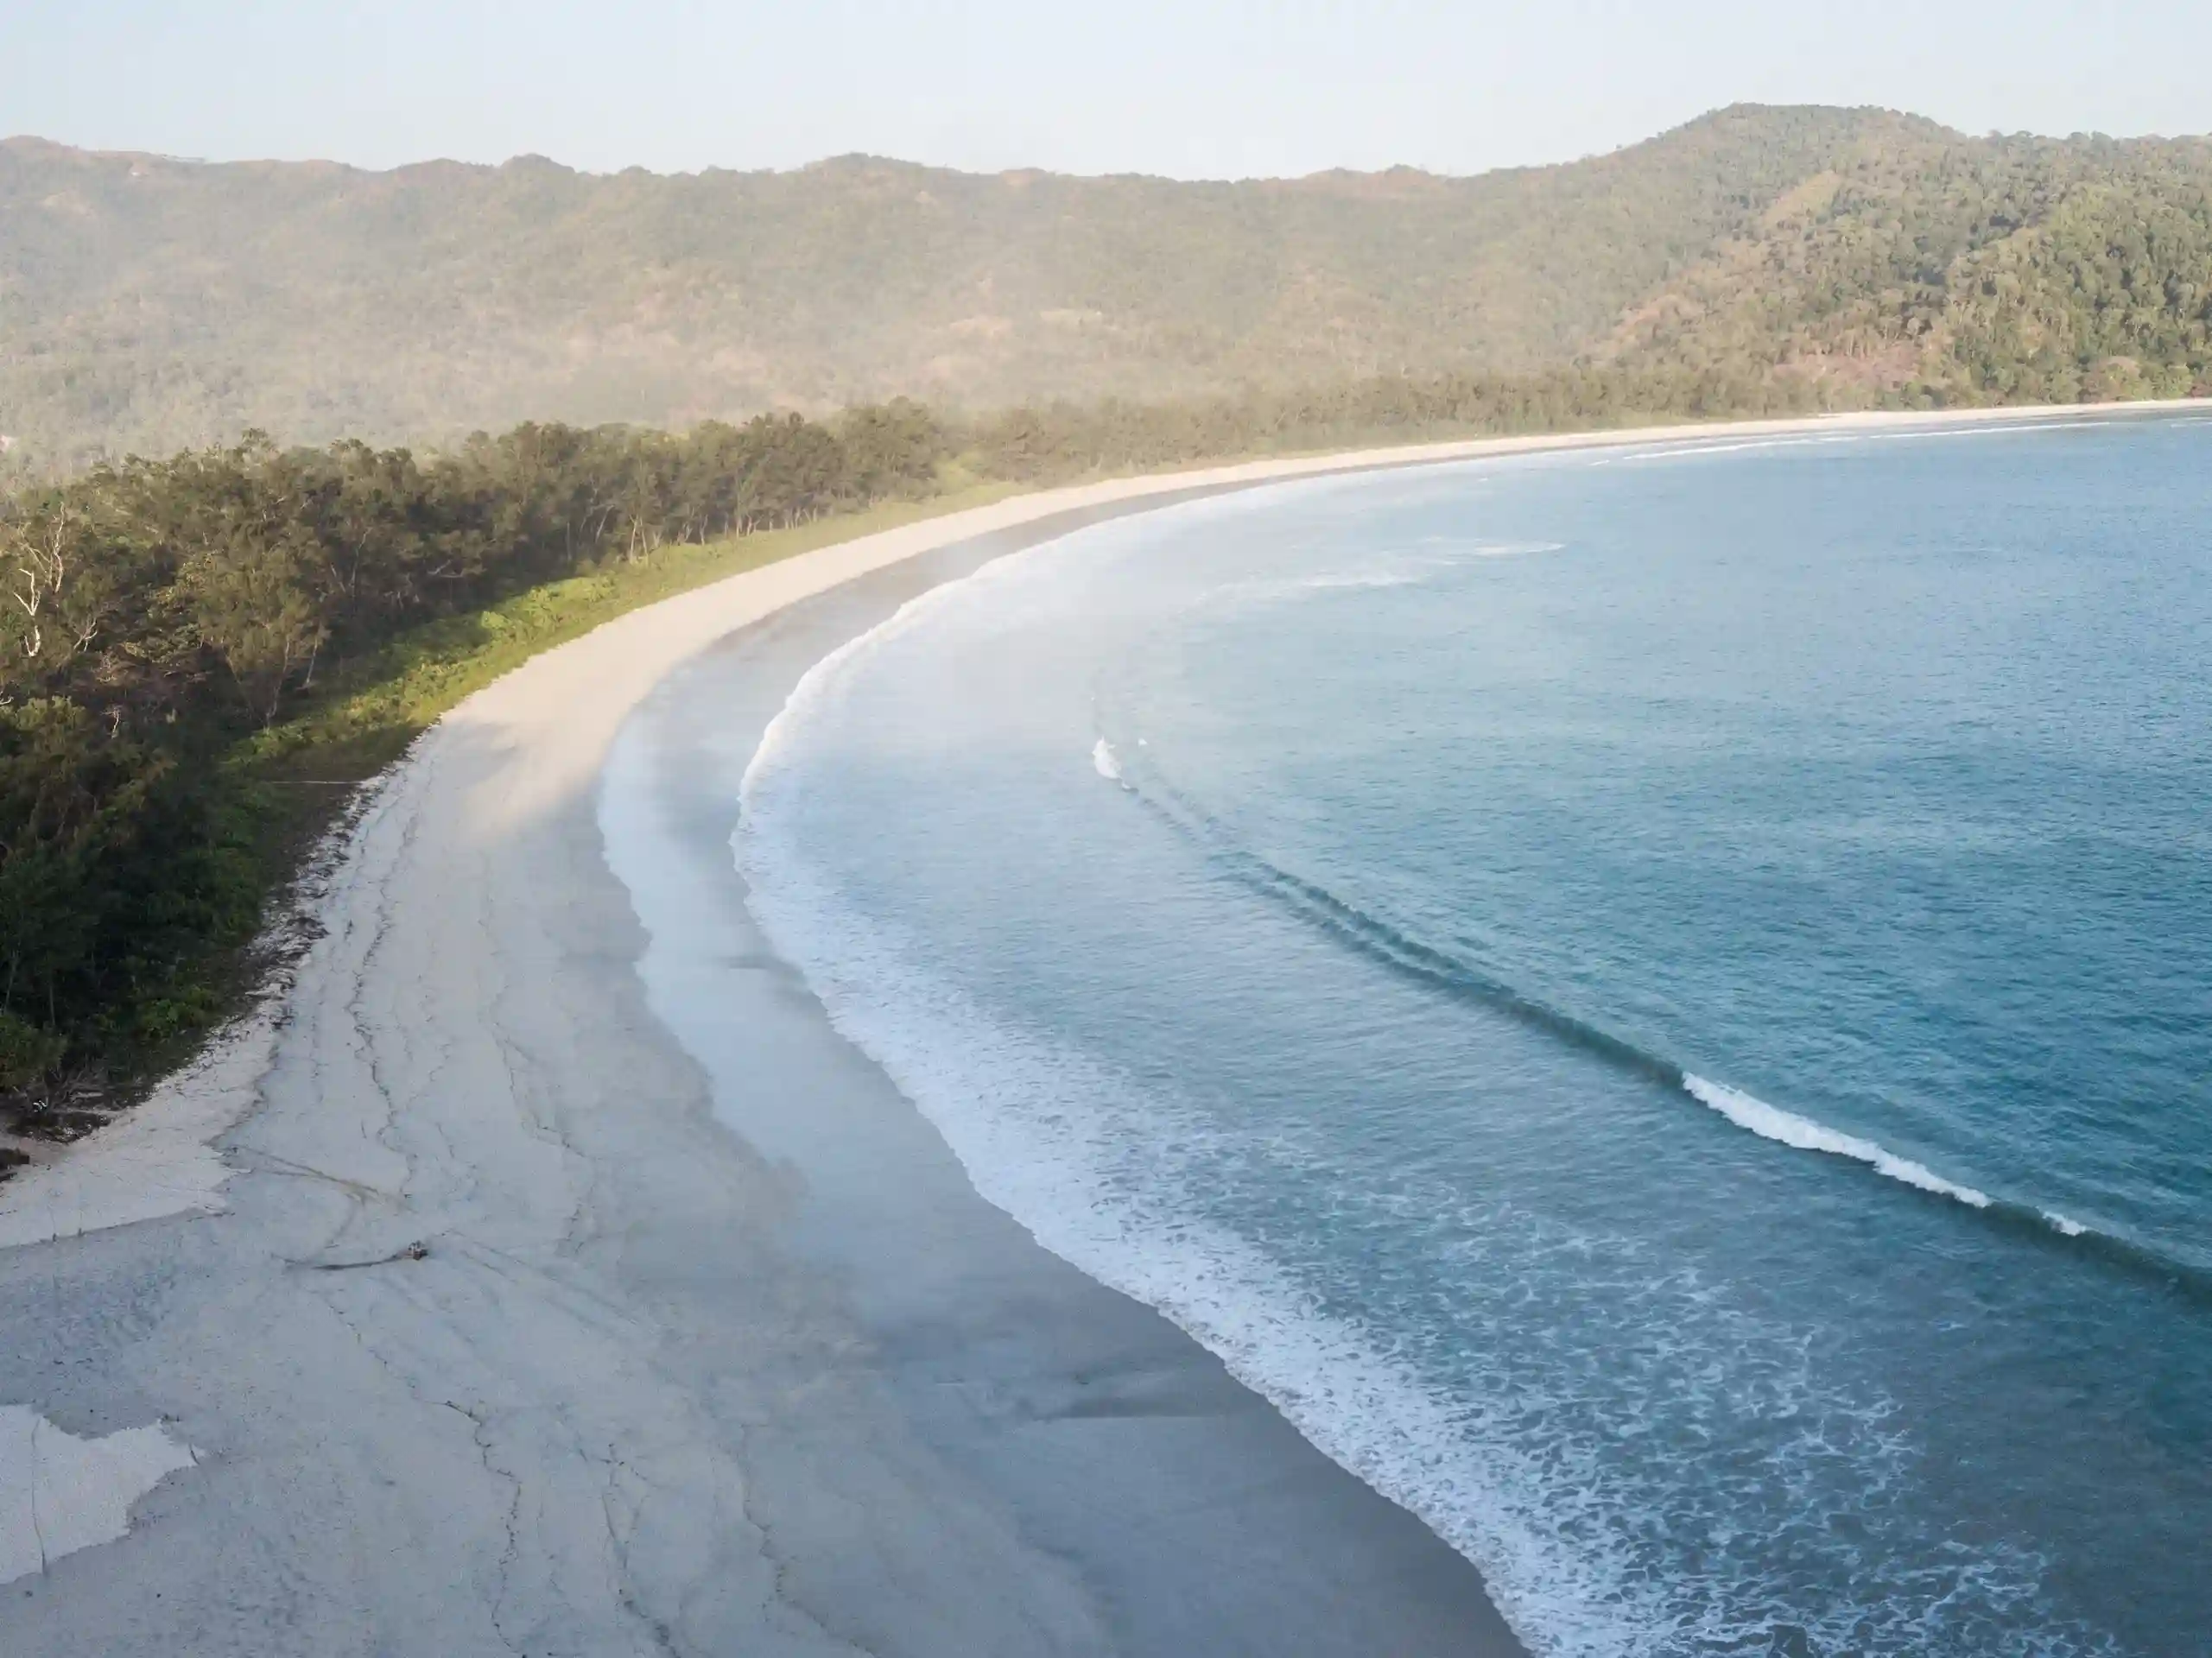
(1658,1002)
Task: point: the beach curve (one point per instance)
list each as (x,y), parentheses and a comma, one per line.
(477,1319)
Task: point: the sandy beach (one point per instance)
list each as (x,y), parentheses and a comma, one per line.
(537,1271)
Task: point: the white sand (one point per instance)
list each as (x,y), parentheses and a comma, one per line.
(59,1493)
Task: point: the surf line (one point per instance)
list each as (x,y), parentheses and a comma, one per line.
(1383,940)
(1787,1128)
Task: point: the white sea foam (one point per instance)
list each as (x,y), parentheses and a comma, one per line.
(1979,431)
(1431,556)
(1508,549)
(1046,1135)
(1102,760)
(1686,450)
(819,687)
(1771,1122)
(1327,581)
(1822,440)
(1353,580)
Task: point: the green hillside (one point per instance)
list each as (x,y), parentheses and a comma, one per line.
(147,304)
(1957,270)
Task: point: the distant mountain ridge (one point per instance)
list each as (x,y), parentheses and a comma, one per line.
(1864,255)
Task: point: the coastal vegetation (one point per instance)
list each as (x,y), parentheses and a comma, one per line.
(198,655)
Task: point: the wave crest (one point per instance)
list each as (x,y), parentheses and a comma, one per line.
(1787,1128)
(1384,940)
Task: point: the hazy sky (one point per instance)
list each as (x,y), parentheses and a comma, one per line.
(1194,88)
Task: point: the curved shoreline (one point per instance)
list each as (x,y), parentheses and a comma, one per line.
(154,1162)
(482,1330)
(1195,1518)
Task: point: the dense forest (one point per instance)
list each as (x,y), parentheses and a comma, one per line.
(150,304)
(159,620)
(2023,268)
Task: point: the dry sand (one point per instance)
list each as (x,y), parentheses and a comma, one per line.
(488,1334)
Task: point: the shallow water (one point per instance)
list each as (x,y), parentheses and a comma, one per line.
(1658,1005)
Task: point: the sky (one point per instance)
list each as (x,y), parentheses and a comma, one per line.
(1194,89)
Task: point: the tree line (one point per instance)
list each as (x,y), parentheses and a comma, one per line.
(153,611)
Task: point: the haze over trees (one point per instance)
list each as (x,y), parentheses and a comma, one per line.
(1799,256)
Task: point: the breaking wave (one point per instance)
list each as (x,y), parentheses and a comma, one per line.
(1399,948)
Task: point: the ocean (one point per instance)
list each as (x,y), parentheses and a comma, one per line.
(1658,1002)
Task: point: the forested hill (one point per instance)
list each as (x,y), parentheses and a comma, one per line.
(1797,255)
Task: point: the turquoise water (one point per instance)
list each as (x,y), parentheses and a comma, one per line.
(1659,1004)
